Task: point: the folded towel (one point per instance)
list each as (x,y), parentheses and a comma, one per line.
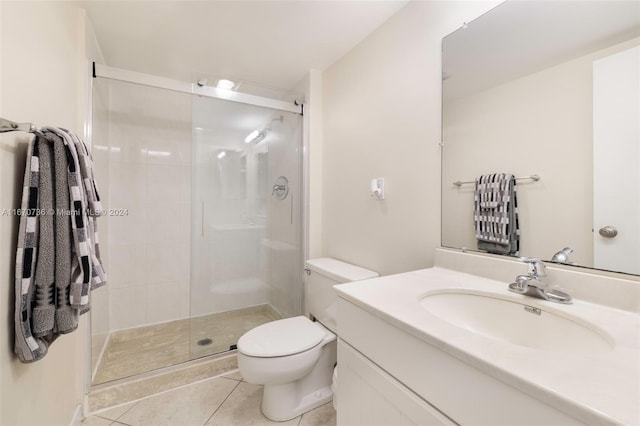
(98,275)
(86,171)
(496,214)
(57,256)
(44,310)
(27,347)
(66,315)
(81,262)
(492,190)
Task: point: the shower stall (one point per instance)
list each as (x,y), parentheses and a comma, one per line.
(202,232)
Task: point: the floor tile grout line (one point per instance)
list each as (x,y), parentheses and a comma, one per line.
(136,401)
(126,411)
(102,417)
(133,404)
(222,403)
(112,420)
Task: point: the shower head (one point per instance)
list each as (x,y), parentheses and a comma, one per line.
(280,119)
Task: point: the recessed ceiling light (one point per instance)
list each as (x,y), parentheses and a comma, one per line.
(225,84)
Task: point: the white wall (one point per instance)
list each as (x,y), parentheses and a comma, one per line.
(537,124)
(42,81)
(381,118)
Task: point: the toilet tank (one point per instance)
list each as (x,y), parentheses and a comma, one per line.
(321,300)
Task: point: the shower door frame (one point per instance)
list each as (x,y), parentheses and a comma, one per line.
(97,70)
(113,73)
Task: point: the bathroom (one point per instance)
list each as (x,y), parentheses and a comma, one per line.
(372,110)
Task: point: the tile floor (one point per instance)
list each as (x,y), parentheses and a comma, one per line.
(148,348)
(220,401)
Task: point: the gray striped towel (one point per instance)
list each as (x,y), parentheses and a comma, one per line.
(57,257)
(98,276)
(495,214)
(28,347)
(87,272)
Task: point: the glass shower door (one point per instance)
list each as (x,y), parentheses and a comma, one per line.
(246,251)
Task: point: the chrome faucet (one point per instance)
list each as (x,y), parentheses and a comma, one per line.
(563,256)
(535,283)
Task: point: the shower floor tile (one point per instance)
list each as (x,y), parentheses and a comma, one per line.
(143,349)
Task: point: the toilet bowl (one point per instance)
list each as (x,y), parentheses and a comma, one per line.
(294,358)
(297,375)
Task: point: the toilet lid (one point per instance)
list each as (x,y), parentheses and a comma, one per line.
(281,338)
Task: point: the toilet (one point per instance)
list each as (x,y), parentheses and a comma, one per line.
(294,358)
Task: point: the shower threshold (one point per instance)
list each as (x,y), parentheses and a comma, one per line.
(139,350)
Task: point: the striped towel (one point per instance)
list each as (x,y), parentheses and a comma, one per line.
(87,272)
(28,347)
(495,214)
(94,209)
(57,256)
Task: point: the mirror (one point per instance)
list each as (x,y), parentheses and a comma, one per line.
(527,90)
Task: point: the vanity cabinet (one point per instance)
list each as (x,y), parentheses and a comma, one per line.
(367,395)
(389,376)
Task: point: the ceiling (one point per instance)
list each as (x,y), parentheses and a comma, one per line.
(270,43)
(521,37)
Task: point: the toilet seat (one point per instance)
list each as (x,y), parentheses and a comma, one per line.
(281,338)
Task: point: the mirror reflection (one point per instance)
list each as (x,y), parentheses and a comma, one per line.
(549,89)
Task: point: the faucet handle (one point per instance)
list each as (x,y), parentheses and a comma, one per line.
(538,268)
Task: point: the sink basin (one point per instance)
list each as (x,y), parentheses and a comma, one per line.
(516,323)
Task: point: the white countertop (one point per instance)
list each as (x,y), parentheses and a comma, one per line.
(596,388)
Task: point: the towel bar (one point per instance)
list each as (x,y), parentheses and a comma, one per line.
(535,178)
(10,126)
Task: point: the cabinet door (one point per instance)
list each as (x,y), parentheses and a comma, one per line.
(368,396)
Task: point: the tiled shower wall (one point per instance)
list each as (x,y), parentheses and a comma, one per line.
(149,197)
(147,152)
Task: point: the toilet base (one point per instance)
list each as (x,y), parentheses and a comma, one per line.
(274,395)
(285,401)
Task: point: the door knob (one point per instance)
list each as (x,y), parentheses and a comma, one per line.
(608,231)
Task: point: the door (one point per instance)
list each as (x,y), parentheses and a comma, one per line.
(616,161)
(246,245)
